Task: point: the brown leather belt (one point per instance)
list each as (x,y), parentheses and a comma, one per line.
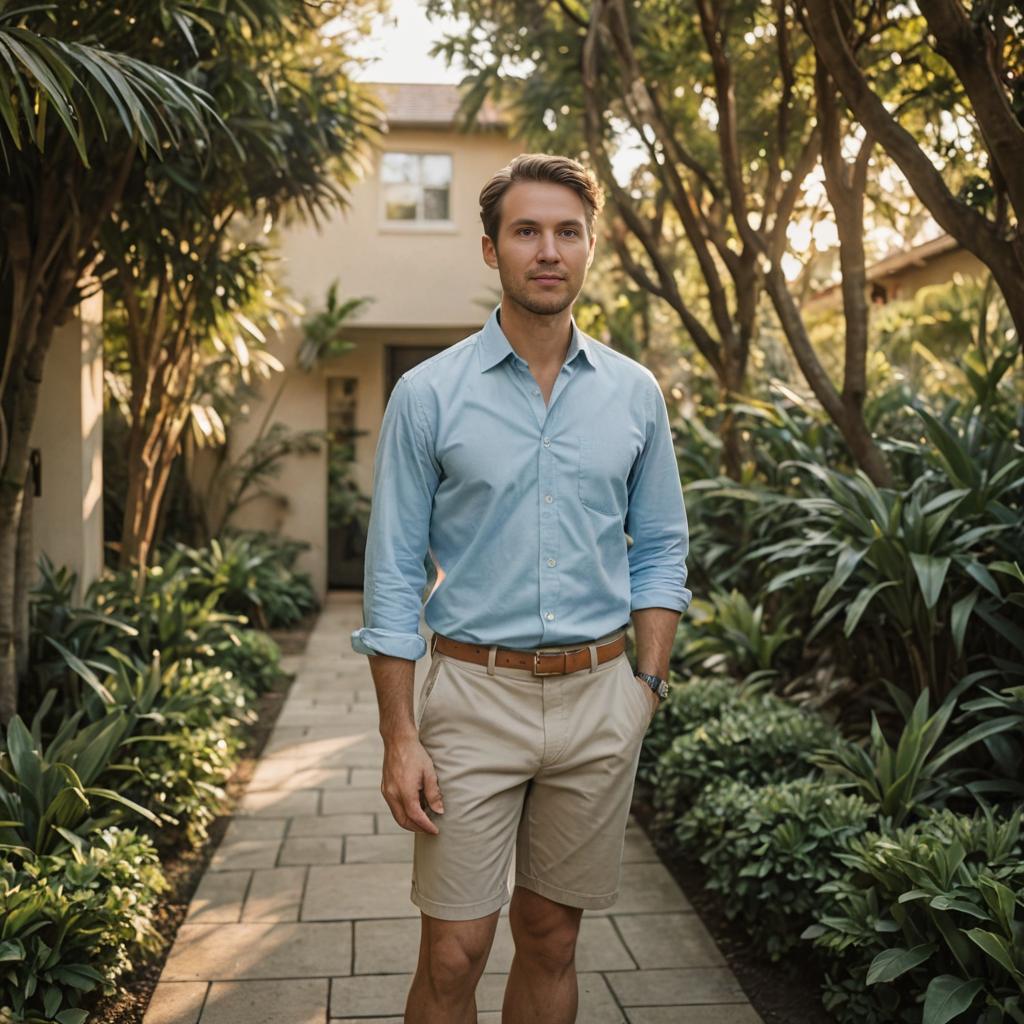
(541,663)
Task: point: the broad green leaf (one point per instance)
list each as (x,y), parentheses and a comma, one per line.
(947,996)
(891,963)
(998,949)
(931,574)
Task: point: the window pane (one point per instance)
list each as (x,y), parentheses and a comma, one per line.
(400,202)
(435,204)
(399,168)
(437,170)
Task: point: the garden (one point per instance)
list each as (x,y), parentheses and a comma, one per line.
(840,763)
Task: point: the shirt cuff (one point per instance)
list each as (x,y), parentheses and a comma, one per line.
(676,598)
(385,641)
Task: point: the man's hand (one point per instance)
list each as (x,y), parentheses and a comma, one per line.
(408,771)
(651,695)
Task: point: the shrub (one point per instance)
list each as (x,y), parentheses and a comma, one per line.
(928,914)
(68,926)
(759,740)
(687,705)
(768,848)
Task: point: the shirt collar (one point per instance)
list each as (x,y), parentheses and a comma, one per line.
(494,346)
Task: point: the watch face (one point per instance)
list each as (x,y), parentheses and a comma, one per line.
(663,689)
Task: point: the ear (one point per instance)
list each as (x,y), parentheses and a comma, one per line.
(592,249)
(490,253)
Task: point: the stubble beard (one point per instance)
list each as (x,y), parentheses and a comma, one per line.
(537,304)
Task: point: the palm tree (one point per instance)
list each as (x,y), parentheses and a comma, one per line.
(85,96)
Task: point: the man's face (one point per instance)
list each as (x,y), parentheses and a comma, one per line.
(543,250)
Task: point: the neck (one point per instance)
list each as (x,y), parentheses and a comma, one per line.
(542,341)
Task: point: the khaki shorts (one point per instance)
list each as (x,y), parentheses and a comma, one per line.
(540,765)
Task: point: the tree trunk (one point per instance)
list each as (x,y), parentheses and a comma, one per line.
(24,571)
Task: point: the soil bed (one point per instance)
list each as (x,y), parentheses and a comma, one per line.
(783,992)
(183,864)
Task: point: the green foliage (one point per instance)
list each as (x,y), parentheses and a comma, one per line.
(253,574)
(931,912)
(49,800)
(905,779)
(69,926)
(688,704)
(185,749)
(727,635)
(767,848)
(757,740)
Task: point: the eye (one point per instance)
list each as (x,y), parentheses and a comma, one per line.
(523,230)
(572,232)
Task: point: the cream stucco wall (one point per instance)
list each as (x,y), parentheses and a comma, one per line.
(429,287)
(415,276)
(68,431)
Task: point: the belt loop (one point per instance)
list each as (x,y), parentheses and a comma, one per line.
(433,643)
(593,656)
(491,652)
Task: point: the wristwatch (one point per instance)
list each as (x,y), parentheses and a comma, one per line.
(656,683)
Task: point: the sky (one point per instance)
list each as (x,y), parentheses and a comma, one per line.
(399,46)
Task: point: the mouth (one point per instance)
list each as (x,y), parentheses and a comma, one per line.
(547,278)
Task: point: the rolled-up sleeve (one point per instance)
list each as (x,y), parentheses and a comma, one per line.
(405,477)
(656,517)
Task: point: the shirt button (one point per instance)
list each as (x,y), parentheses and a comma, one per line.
(548,498)
(549,616)
(547,442)
(536,392)
(552,562)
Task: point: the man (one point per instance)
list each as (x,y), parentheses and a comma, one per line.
(537,467)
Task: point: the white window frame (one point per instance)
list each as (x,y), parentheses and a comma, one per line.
(417,226)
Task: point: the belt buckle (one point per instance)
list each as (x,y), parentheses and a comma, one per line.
(549,654)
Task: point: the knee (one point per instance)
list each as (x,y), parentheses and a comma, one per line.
(546,938)
(454,964)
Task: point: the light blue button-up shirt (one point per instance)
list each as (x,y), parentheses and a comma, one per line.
(550,523)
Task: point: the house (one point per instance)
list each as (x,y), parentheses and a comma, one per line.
(410,243)
(902,273)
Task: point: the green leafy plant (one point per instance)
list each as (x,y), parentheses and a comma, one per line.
(763,739)
(69,926)
(767,848)
(904,779)
(928,922)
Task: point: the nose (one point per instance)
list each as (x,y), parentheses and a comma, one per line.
(548,252)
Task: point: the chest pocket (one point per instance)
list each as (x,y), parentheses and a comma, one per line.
(603,469)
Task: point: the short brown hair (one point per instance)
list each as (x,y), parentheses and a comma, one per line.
(561,170)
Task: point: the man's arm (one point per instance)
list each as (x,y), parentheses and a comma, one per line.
(406,476)
(656,520)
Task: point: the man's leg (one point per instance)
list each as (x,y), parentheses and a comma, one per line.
(542,985)
(452,958)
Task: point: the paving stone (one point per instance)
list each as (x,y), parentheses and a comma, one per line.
(728,1013)
(234,952)
(275,895)
(365,751)
(387,826)
(219,897)
(280,803)
(331,825)
(356,891)
(391,947)
(176,1002)
(253,828)
(668,940)
(362,996)
(674,986)
(347,801)
(646,888)
(246,853)
(311,850)
(379,849)
(638,848)
(267,1002)
(366,777)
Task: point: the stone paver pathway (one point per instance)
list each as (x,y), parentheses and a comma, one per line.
(303,916)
